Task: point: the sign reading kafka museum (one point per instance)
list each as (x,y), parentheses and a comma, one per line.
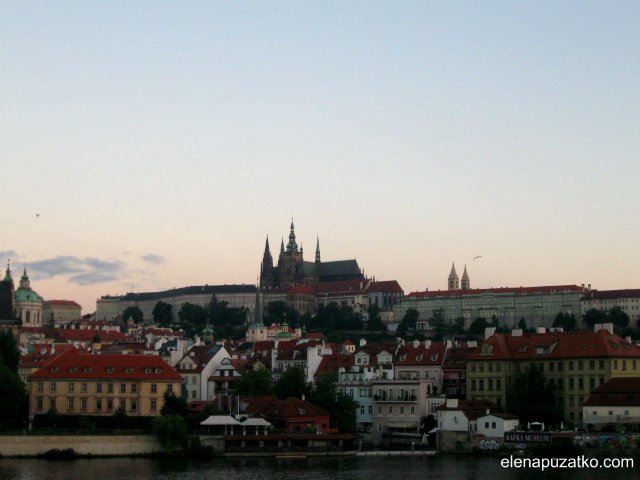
(527,437)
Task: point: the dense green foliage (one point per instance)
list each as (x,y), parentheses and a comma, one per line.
(171,430)
(9,354)
(292,383)
(532,398)
(281,312)
(409,321)
(340,406)
(254,383)
(332,318)
(227,322)
(162,313)
(565,321)
(133,312)
(374,320)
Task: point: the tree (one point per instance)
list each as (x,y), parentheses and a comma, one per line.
(192,317)
(341,407)
(162,314)
(133,312)
(522,325)
(478,326)
(119,417)
(618,317)
(9,353)
(227,322)
(532,398)
(173,405)
(593,317)
(565,321)
(409,320)
(281,312)
(171,430)
(12,397)
(374,321)
(292,383)
(254,383)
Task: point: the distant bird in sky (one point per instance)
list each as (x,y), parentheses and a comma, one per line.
(479,256)
(37,215)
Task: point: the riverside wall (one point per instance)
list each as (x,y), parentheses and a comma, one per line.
(107,445)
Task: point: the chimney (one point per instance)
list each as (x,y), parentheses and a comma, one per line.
(472,344)
(589,287)
(488,411)
(363,342)
(53,348)
(516,332)
(416,343)
(452,403)
(449,343)
(541,330)
(608,327)
(489,332)
(427,344)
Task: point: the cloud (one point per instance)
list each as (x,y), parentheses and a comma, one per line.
(152,258)
(90,278)
(82,270)
(8,254)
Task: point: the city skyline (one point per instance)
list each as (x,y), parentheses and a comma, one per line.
(157,144)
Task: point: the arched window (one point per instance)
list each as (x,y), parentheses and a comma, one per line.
(28,316)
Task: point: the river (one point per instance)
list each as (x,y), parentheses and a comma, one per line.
(442,467)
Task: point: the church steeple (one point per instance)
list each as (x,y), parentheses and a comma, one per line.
(317,249)
(7,277)
(282,246)
(454,282)
(24,280)
(292,246)
(466,283)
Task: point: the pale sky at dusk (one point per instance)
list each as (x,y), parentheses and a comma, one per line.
(161,142)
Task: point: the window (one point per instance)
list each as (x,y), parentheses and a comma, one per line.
(490,384)
(493,425)
(123,388)
(69,403)
(551,366)
(52,403)
(99,404)
(194,394)
(154,388)
(134,405)
(98,388)
(390,410)
(83,404)
(601,364)
(580,383)
(601,381)
(571,383)
(580,365)
(481,385)
(561,384)
(84,387)
(110,404)
(71,387)
(52,387)
(473,384)
(486,424)
(402,410)
(123,405)
(498,384)
(134,388)
(109,387)
(154,405)
(39,403)
(560,366)
(361,409)
(193,380)
(592,383)
(592,364)
(498,367)
(170,388)
(40,386)
(571,365)
(370,410)
(610,412)
(379,409)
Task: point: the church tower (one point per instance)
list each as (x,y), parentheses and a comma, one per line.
(453,279)
(466,283)
(290,261)
(266,268)
(317,250)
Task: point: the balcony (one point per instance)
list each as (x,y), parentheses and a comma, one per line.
(394,398)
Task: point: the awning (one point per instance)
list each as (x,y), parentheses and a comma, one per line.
(215,420)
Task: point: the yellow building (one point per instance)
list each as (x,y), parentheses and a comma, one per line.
(76,383)
(573,363)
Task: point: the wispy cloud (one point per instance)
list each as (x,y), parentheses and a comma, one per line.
(83,270)
(152,258)
(8,254)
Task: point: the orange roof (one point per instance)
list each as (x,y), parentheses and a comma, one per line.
(385,286)
(408,355)
(331,363)
(75,365)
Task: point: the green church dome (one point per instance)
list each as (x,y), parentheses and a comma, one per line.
(27,295)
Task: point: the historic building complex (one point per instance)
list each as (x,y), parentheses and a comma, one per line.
(292,269)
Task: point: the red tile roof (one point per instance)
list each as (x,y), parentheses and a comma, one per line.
(86,335)
(385,286)
(498,291)
(618,392)
(64,303)
(341,286)
(331,363)
(303,289)
(532,346)
(201,355)
(75,365)
(408,355)
(611,294)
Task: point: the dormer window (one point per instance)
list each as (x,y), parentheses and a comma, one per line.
(87,370)
(403,358)
(110,370)
(158,370)
(129,370)
(54,369)
(419,357)
(301,411)
(73,369)
(147,370)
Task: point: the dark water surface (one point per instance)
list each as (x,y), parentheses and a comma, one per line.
(442,467)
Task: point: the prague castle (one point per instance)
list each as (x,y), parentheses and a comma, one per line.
(292,269)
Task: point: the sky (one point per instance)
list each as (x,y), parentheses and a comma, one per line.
(152,145)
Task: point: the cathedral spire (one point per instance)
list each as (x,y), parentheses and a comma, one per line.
(282,245)
(317,249)
(454,283)
(7,277)
(466,283)
(292,246)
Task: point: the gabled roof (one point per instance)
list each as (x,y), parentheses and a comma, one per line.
(473,409)
(200,355)
(341,286)
(75,365)
(339,267)
(408,355)
(611,294)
